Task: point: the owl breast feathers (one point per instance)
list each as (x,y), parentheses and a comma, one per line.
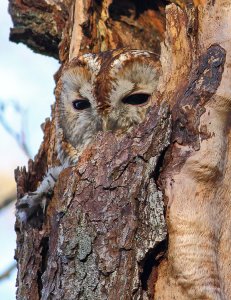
(106,91)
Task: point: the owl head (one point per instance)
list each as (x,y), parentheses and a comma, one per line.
(111,90)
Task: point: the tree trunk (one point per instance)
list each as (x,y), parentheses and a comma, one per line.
(104,235)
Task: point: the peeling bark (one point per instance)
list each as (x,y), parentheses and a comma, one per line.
(103,235)
(103,224)
(39,24)
(104,231)
(68,28)
(196,172)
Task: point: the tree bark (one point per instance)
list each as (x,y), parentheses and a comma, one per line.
(104,235)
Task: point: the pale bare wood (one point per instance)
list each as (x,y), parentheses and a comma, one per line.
(79,18)
(198,194)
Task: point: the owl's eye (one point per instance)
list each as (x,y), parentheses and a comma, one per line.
(81,104)
(136,99)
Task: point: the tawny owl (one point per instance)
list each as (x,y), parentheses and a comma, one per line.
(96,92)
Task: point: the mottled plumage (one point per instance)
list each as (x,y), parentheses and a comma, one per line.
(98,92)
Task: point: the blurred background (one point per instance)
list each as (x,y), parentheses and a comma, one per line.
(26,94)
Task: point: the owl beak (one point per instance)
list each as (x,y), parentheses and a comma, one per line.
(105,122)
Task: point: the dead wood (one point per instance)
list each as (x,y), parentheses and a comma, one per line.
(104,232)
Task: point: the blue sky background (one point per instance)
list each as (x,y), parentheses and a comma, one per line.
(27,78)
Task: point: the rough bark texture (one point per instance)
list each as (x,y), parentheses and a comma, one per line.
(88,26)
(104,234)
(91,26)
(100,239)
(105,224)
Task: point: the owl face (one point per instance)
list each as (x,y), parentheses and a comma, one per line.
(107,91)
